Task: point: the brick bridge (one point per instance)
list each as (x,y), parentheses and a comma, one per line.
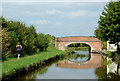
(94,43)
(94,62)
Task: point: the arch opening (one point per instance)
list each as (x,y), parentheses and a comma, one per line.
(79,46)
(82,52)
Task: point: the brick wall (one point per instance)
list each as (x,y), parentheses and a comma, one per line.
(94,43)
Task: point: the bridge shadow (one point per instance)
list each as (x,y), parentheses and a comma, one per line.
(94,62)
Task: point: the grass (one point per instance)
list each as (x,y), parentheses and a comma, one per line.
(14,58)
(11,67)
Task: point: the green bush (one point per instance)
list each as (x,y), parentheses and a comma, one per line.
(109,53)
(31,41)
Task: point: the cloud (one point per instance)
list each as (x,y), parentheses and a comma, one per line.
(31,13)
(45,12)
(60,19)
(40,22)
(62,14)
(81,14)
(75,14)
(39,13)
(45,22)
(50,9)
(58,23)
(53,12)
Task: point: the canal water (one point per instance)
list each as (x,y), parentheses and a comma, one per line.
(75,66)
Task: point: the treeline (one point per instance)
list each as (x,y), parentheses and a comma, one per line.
(31,41)
(78,45)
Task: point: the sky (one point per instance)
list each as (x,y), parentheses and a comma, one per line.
(61,19)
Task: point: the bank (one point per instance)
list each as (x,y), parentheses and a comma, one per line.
(15,68)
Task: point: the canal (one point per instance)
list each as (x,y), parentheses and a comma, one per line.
(80,65)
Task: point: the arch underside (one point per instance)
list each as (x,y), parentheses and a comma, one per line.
(80,43)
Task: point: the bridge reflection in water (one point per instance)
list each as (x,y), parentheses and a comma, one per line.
(95,61)
(80,65)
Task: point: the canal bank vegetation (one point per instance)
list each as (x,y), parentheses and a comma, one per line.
(17,67)
(104,45)
(31,41)
(109,30)
(43,68)
(109,25)
(40,70)
(38,48)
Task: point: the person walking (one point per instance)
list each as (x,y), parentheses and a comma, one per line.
(19,47)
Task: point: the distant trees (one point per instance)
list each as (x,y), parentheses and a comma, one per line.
(78,45)
(109,24)
(15,31)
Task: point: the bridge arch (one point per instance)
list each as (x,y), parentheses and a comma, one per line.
(80,43)
(63,42)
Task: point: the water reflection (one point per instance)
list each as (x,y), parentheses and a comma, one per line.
(80,56)
(113,69)
(81,65)
(37,72)
(109,70)
(94,62)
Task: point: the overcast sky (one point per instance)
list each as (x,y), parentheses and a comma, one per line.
(56,18)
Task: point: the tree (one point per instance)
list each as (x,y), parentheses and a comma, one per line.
(5,43)
(16,31)
(109,24)
(42,42)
